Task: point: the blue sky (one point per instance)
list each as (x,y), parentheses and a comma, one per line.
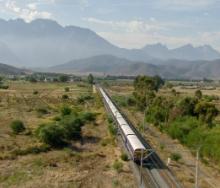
(129,23)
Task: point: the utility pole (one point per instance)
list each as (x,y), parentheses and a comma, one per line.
(141,178)
(197,168)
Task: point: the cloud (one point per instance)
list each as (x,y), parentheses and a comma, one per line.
(137,40)
(28,13)
(130,26)
(135,25)
(185,4)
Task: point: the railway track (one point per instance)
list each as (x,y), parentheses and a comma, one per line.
(154,172)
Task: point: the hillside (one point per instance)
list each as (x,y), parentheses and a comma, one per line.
(7,69)
(108,64)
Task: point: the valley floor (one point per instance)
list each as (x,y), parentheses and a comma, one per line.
(85,163)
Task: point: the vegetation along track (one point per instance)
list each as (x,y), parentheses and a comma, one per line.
(154,172)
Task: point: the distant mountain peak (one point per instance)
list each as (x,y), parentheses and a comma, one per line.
(156,45)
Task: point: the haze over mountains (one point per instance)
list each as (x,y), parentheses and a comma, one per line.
(45,43)
(171,69)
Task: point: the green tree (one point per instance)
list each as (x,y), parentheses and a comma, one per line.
(206,112)
(64,78)
(198,94)
(187,105)
(144,87)
(90,79)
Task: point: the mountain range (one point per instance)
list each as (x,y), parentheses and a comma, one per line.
(10,70)
(45,43)
(170,69)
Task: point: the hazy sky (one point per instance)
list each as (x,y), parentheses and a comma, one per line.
(129,23)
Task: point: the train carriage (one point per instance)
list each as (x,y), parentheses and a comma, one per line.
(125,131)
(136,148)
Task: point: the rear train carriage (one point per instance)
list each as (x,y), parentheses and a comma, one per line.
(136,148)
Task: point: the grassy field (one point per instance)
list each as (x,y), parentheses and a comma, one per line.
(24,161)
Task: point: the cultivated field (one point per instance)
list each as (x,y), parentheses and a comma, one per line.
(26,162)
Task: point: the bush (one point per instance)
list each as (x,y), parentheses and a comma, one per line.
(72,127)
(65,110)
(4,87)
(112,129)
(82,99)
(181,127)
(124,157)
(51,134)
(57,118)
(31,150)
(110,119)
(42,111)
(65,97)
(35,92)
(118,166)
(88,116)
(67,89)
(175,156)
(17,126)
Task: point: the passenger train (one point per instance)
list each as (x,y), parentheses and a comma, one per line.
(135,147)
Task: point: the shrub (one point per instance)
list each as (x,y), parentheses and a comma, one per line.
(88,116)
(65,110)
(118,166)
(181,127)
(31,150)
(175,156)
(110,119)
(4,87)
(17,126)
(35,92)
(82,99)
(57,118)
(67,89)
(65,97)
(124,157)
(42,111)
(51,134)
(112,129)
(72,127)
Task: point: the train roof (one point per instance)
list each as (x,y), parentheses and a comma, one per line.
(135,142)
(121,121)
(127,130)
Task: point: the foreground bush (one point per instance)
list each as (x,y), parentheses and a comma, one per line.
(118,166)
(124,157)
(72,127)
(84,98)
(175,156)
(65,110)
(17,126)
(51,134)
(88,116)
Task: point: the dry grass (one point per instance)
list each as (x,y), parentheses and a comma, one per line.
(84,164)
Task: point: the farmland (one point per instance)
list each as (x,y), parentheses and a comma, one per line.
(28,160)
